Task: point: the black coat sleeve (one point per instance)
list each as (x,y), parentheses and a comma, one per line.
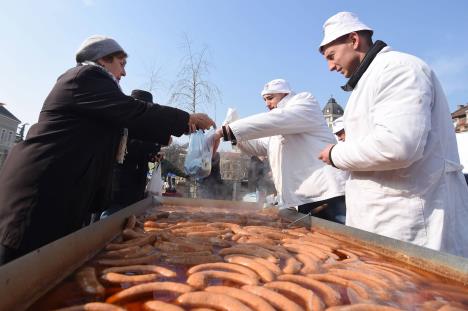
(98,96)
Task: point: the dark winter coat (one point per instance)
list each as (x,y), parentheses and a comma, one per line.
(63,170)
(130,177)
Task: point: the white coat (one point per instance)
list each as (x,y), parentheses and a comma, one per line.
(406,180)
(292,135)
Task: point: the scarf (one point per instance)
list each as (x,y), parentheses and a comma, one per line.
(91,63)
(122,148)
(370,55)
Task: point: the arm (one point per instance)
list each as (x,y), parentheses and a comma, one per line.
(401,120)
(258,147)
(97,96)
(302,114)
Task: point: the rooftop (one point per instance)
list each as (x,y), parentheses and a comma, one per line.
(332,107)
(6,113)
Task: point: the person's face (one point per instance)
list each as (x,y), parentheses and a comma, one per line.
(341,135)
(116,67)
(342,56)
(272,100)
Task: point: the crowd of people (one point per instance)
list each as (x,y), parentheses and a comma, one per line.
(392,169)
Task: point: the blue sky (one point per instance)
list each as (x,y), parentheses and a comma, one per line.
(249,43)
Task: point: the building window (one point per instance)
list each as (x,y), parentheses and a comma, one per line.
(2,138)
(10,138)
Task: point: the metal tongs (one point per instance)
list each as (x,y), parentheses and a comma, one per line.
(309,215)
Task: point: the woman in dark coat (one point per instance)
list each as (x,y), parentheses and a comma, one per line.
(61,173)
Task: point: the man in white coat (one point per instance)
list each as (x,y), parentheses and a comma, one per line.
(406,180)
(288,134)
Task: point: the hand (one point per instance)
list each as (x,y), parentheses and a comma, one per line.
(324,154)
(200,121)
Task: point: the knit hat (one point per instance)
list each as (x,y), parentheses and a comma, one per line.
(276,86)
(142,95)
(96,47)
(339,25)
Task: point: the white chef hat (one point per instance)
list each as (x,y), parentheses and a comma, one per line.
(339,25)
(276,86)
(338,125)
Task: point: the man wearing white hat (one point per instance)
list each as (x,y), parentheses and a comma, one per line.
(292,130)
(406,180)
(338,129)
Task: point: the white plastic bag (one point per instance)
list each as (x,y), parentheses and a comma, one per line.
(156,183)
(231,116)
(199,154)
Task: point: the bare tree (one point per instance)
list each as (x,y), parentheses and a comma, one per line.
(192,90)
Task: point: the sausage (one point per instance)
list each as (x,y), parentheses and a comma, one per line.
(449,307)
(129,261)
(148,288)
(363,307)
(193,260)
(120,278)
(209,233)
(120,252)
(142,269)
(267,264)
(242,249)
(330,296)
(157,305)
(361,291)
(309,264)
(277,249)
(182,247)
(190,254)
(138,252)
(131,222)
(311,301)
(148,239)
(255,240)
(187,224)
(199,279)
(223,225)
(93,306)
(129,234)
(377,285)
(298,248)
(224,266)
(264,273)
(212,241)
(214,300)
(292,265)
(87,279)
(276,300)
(255,302)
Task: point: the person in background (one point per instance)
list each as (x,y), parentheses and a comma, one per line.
(62,171)
(130,177)
(211,187)
(288,134)
(338,129)
(406,181)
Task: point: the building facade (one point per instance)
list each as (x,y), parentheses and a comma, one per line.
(8,127)
(459,118)
(234,166)
(332,111)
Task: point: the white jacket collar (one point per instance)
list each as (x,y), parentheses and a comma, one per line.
(285,100)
